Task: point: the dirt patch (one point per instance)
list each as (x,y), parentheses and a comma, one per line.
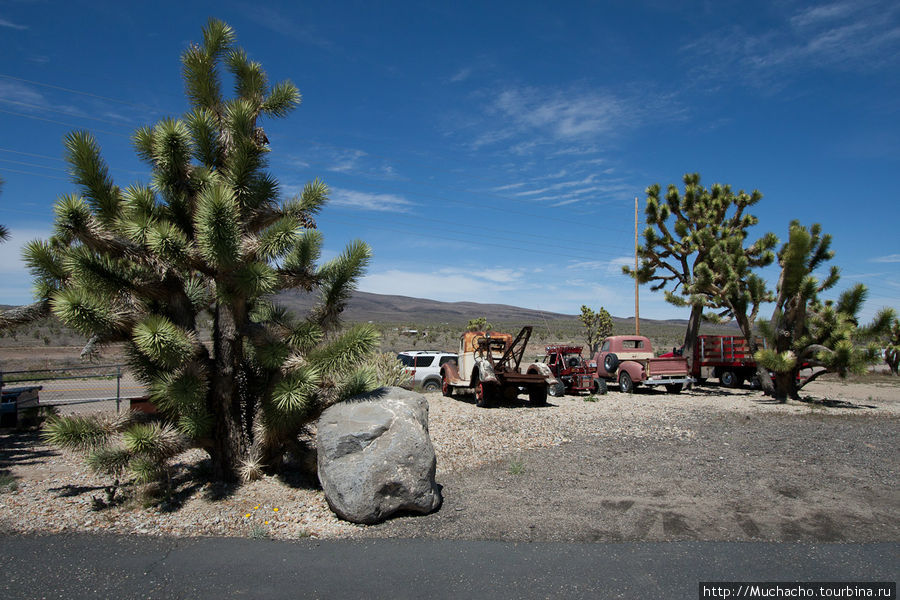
(740,477)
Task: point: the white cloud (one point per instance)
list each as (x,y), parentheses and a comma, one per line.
(612,267)
(369,200)
(563,115)
(11,25)
(840,35)
(461,75)
(446,287)
(889,258)
(13,91)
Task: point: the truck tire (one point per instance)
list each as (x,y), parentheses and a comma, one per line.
(432,385)
(537,395)
(484,395)
(599,387)
(610,363)
(557,389)
(626,385)
(445,387)
(674,388)
(729,379)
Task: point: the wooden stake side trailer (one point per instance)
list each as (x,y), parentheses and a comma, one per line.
(725,357)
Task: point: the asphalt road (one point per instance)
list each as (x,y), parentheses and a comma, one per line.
(84,566)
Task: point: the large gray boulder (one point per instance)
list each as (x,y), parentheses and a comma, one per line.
(375,457)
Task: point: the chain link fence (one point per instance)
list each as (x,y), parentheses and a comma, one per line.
(79,388)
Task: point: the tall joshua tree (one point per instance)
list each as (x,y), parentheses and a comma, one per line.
(208,240)
(807,331)
(685,234)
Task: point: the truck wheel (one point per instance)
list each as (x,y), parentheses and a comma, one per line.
(599,387)
(537,395)
(728,378)
(626,385)
(674,388)
(610,363)
(484,395)
(445,388)
(557,389)
(431,386)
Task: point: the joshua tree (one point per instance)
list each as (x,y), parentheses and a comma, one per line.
(806,331)
(479,324)
(597,325)
(4,232)
(687,231)
(892,351)
(207,241)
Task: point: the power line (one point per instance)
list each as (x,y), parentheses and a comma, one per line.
(62,112)
(9,112)
(35,174)
(79,92)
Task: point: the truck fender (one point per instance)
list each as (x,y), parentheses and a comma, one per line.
(485,372)
(634,370)
(543,370)
(450,371)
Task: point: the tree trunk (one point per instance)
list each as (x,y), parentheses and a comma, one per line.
(786,386)
(765,382)
(690,336)
(229,445)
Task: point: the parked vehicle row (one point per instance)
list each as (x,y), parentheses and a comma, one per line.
(489,364)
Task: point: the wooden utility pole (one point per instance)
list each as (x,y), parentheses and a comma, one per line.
(637,316)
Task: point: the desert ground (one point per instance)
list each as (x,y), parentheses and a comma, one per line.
(706,464)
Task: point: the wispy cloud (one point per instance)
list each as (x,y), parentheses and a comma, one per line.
(561,115)
(846,34)
(15,92)
(369,201)
(11,25)
(889,258)
(461,75)
(280,22)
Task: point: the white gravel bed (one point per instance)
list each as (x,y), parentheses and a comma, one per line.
(52,491)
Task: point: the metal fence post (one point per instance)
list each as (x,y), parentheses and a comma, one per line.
(118,387)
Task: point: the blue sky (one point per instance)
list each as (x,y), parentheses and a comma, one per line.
(491,152)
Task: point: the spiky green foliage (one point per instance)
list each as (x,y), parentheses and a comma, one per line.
(391,372)
(129,445)
(209,238)
(479,324)
(4,232)
(806,331)
(597,325)
(695,243)
(891,339)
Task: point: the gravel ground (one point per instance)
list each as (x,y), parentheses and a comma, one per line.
(711,464)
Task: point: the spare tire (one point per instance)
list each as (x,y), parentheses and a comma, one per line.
(611,363)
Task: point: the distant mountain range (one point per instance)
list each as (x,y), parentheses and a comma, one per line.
(383,308)
(364,306)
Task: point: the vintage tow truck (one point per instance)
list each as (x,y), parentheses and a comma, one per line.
(489,364)
(572,372)
(629,360)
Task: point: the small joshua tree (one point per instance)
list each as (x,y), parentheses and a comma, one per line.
(892,351)
(479,324)
(597,326)
(806,331)
(209,240)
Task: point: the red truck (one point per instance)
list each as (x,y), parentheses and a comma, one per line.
(629,361)
(572,372)
(725,357)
